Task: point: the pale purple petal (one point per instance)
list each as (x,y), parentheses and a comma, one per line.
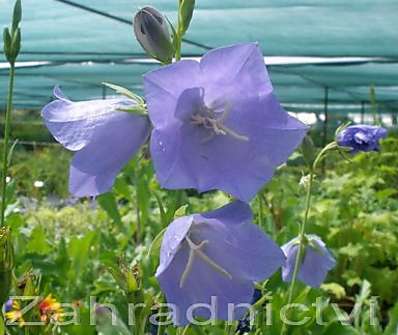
(200,286)
(246,251)
(240,65)
(94,168)
(164,86)
(234,243)
(73,124)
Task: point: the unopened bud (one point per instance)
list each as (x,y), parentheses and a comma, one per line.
(185,14)
(152,32)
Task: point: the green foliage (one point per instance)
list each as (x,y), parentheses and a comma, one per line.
(110,248)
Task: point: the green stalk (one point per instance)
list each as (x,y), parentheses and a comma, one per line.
(300,252)
(302,238)
(178,47)
(178,34)
(7,128)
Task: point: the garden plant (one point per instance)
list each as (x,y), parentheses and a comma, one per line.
(201,207)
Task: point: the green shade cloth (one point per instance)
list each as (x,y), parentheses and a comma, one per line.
(85,48)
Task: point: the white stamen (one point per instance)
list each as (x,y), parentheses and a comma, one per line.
(195,250)
(208,120)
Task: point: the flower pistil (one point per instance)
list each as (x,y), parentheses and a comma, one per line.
(196,250)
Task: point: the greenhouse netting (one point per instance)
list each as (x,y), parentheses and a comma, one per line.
(318,52)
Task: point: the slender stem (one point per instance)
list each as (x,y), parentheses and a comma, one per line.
(178,47)
(7,128)
(179,34)
(185,330)
(301,239)
(300,252)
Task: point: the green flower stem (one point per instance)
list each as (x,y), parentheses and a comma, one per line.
(7,128)
(178,47)
(300,253)
(178,34)
(302,238)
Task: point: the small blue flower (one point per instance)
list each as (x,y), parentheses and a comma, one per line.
(8,306)
(317,261)
(218,254)
(361,137)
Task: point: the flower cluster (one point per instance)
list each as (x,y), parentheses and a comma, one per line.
(49,310)
(212,125)
(216,125)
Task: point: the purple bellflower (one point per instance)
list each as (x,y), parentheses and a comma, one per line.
(317,261)
(361,137)
(103,137)
(216,255)
(217,123)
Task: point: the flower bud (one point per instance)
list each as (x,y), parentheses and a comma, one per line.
(6,263)
(185,14)
(152,32)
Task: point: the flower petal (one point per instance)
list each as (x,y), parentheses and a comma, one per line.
(163,87)
(112,145)
(240,64)
(241,251)
(202,284)
(238,244)
(74,124)
(183,158)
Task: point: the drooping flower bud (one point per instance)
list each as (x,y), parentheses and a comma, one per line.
(361,137)
(315,264)
(6,263)
(152,32)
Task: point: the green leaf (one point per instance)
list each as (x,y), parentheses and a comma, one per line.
(154,249)
(337,290)
(182,211)
(7,42)
(337,328)
(2,326)
(108,203)
(392,325)
(38,243)
(124,91)
(16,44)
(308,150)
(105,324)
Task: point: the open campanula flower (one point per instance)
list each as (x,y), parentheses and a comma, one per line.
(361,137)
(217,254)
(104,139)
(217,123)
(316,263)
